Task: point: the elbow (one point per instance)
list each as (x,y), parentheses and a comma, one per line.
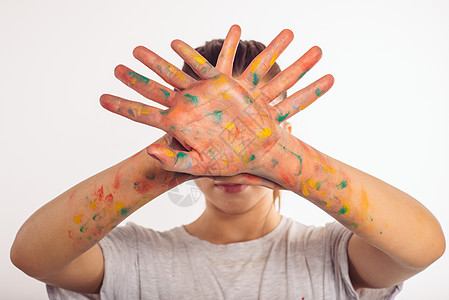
(19,259)
(432,249)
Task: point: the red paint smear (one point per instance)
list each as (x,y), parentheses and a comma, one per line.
(95,231)
(109,199)
(70,234)
(116,184)
(99,194)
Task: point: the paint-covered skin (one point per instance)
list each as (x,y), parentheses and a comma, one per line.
(231,136)
(238,132)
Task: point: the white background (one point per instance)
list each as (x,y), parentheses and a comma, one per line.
(387,114)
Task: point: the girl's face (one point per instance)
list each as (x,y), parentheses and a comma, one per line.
(233,198)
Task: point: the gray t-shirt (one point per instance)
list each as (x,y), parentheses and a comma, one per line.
(293,261)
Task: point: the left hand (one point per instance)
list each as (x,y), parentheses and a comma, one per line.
(227,124)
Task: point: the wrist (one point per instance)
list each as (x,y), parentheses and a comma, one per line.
(284,163)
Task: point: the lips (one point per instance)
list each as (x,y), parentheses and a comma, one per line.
(230,187)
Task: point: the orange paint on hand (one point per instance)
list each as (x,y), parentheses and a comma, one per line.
(230,126)
(304,189)
(168,152)
(264,133)
(255,65)
(77,219)
(273,59)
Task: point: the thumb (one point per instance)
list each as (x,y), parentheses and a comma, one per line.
(171,159)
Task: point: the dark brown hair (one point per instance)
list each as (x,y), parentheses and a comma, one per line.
(246,52)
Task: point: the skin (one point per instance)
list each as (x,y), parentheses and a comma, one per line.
(381,252)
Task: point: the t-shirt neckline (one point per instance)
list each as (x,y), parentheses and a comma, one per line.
(251,243)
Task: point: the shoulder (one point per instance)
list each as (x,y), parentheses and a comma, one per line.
(328,234)
(132,235)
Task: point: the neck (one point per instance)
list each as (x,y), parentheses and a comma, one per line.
(218,227)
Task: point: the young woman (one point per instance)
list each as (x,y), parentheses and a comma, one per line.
(222,132)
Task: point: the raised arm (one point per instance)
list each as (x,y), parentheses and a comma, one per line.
(58,243)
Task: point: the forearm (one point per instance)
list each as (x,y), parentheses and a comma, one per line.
(73,222)
(382,215)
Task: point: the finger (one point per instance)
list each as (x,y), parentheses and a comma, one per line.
(248,179)
(135,111)
(195,60)
(288,77)
(169,73)
(263,62)
(173,160)
(148,88)
(225,59)
(303,98)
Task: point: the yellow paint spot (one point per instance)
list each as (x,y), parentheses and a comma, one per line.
(92,205)
(313,183)
(255,65)
(199,59)
(264,133)
(168,152)
(273,59)
(230,126)
(175,71)
(219,80)
(325,168)
(304,189)
(144,111)
(119,205)
(133,81)
(256,94)
(77,219)
(227,95)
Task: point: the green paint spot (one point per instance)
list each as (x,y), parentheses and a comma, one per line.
(251,158)
(163,112)
(319,92)
(342,184)
(351,224)
(317,186)
(343,210)
(172,128)
(197,132)
(372,219)
(113,226)
(248,99)
(124,211)
(181,155)
(94,217)
(298,156)
(82,229)
(151,177)
(274,162)
(280,117)
(118,109)
(139,77)
(192,99)
(381,232)
(218,114)
(212,153)
(166,93)
(302,74)
(131,112)
(255,79)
